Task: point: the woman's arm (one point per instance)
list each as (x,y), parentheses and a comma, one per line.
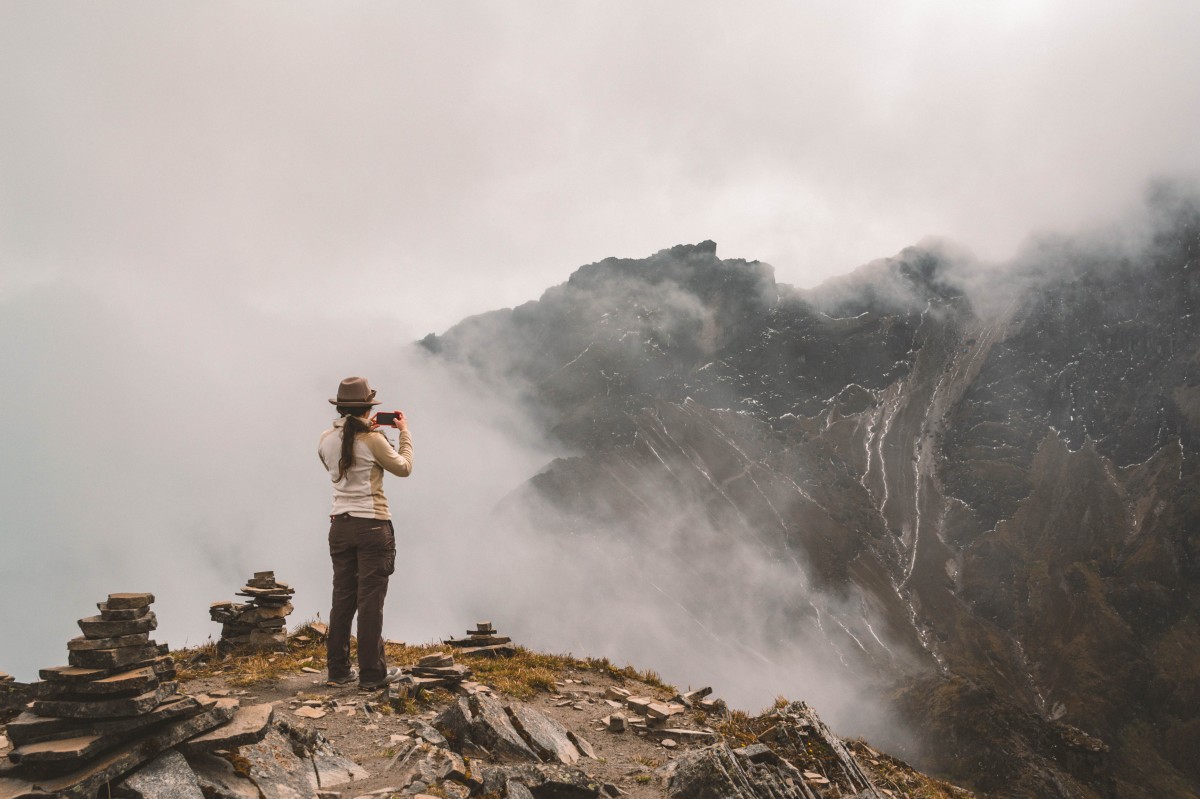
(397,461)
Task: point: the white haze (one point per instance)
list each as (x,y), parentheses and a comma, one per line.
(211,212)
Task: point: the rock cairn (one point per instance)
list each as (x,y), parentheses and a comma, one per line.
(260,623)
(113,708)
(437,671)
(483,640)
(12,694)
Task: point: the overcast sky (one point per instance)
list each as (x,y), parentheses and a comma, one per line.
(210,212)
(462,156)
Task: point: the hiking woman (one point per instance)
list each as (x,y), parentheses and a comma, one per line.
(362,541)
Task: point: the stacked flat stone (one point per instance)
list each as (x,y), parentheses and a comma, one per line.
(483,640)
(260,623)
(433,671)
(115,706)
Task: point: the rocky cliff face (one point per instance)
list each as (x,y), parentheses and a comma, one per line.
(994,472)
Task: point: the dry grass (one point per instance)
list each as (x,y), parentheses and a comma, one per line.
(626,673)
(521,676)
(252,668)
(737,727)
(902,779)
(527,673)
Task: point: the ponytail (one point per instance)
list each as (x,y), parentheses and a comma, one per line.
(353,426)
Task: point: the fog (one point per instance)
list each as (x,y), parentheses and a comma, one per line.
(211,213)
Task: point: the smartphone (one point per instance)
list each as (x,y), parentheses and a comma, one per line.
(385,419)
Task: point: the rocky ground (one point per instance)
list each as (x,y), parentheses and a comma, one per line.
(400,742)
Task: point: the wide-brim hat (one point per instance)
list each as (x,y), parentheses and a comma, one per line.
(355,392)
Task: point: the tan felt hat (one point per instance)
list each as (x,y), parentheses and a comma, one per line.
(355,392)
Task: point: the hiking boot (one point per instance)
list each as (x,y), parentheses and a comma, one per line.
(393,674)
(346,680)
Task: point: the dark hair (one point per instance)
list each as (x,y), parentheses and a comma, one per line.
(355,424)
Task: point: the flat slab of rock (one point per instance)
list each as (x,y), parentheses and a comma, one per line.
(249,725)
(477,641)
(66,750)
(280,592)
(72,674)
(682,733)
(129,601)
(85,782)
(167,775)
(83,642)
(106,708)
(497,651)
(28,728)
(134,681)
(121,614)
(99,627)
(116,658)
(544,735)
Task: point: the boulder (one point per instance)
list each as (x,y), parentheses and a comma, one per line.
(752,772)
(710,773)
(218,779)
(516,790)
(273,766)
(480,721)
(167,776)
(332,768)
(547,781)
(545,736)
(249,725)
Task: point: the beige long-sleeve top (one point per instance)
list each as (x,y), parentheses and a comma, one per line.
(360,491)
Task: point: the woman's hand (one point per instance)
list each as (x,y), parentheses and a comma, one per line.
(400,423)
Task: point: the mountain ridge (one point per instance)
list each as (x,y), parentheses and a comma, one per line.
(997,462)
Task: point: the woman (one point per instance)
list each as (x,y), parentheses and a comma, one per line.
(362,542)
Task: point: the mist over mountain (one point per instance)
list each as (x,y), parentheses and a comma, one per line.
(957,500)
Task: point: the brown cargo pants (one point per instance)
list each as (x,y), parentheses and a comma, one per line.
(364,556)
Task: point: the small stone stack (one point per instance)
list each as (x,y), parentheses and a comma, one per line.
(13,694)
(113,708)
(483,641)
(260,623)
(438,671)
